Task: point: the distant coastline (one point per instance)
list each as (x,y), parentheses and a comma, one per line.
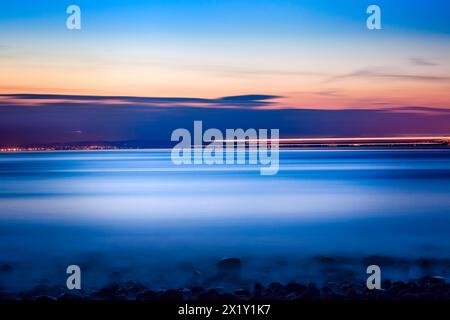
(285,143)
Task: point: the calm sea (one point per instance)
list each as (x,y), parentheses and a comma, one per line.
(133,215)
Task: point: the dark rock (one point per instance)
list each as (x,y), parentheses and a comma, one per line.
(351,294)
(227,297)
(185,292)
(229,268)
(25,296)
(45,298)
(276,288)
(292,296)
(147,295)
(70,297)
(275,291)
(258,290)
(328,293)
(311,293)
(258,286)
(397,287)
(196,291)
(387,284)
(6,268)
(345,286)
(42,290)
(7,296)
(380,294)
(229,264)
(327,260)
(426,264)
(295,288)
(111,292)
(242,293)
(134,287)
(171,295)
(210,295)
(434,281)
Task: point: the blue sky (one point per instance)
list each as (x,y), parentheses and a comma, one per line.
(207,16)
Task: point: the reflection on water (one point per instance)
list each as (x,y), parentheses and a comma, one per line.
(135,213)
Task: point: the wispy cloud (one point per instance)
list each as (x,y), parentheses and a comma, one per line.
(240,101)
(333,93)
(419,109)
(422,62)
(372,73)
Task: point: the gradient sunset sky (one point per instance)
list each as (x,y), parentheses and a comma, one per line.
(293,54)
(315,53)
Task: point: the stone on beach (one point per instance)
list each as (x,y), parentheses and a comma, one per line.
(229,268)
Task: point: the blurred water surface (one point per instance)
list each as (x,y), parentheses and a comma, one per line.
(134,213)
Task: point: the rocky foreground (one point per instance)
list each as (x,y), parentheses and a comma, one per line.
(228,272)
(430,288)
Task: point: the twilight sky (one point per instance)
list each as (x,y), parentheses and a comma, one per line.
(303,54)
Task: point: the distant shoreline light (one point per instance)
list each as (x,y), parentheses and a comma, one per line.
(365,139)
(284,142)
